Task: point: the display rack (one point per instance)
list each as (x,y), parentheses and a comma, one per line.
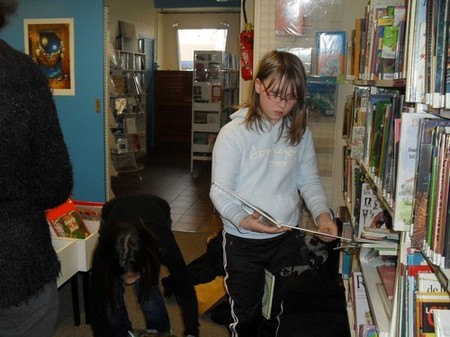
(128,107)
(214,96)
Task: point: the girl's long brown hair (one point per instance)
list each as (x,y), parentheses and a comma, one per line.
(281,68)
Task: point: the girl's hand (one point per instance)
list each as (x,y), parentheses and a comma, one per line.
(252,223)
(326,225)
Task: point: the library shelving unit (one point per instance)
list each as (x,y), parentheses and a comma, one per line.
(214,96)
(386,152)
(128,107)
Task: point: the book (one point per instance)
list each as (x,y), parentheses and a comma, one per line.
(441,319)
(406,164)
(387,276)
(269,285)
(439,64)
(66,221)
(438,193)
(359,28)
(372,102)
(422,180)
(345,257)
(361,309)
(331,53)
(370,210)
(265,217)
(321,96)
(426,303)
(416,263)
(415,71)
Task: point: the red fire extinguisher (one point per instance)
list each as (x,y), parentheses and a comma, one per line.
(246,38)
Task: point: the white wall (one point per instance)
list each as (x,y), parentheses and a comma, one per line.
(141,13)
(167,50)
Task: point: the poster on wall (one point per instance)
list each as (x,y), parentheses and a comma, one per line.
(50,42)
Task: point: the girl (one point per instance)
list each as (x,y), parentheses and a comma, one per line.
(266,155)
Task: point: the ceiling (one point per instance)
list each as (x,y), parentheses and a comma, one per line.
(199,5)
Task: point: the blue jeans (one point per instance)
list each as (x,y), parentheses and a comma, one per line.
(154,309)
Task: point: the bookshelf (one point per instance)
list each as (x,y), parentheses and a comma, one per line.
(388,153)
(215,91)
(128,109)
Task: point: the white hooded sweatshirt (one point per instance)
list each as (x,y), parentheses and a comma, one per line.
(266,171)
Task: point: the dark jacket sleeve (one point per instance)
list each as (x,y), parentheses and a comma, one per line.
(184,289)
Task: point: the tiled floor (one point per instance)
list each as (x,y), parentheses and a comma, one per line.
(167,174)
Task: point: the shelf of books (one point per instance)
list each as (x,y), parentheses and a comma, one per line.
(396,164)
(214,97)
(127,90)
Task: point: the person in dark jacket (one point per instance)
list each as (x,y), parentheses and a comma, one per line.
(135,239)
(35,175)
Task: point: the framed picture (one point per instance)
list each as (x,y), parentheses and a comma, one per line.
(50,42)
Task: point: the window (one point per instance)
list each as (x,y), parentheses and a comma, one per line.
(198,39)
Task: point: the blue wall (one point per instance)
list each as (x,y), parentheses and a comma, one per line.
(82,126)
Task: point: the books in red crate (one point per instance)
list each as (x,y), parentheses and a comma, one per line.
(66,221)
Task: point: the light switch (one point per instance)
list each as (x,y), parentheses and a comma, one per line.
(98,106)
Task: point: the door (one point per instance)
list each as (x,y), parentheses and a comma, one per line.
(149,50)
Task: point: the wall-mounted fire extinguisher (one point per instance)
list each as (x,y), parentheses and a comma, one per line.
(246,39)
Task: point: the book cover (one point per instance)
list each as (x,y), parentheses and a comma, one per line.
(415,70)
(406,164)
(321,96)
(426,303)
(361,305)
(370,210)
(331,53)
(269,285)
(66,221)
(383,24)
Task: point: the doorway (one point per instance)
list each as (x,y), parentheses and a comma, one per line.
(149,50)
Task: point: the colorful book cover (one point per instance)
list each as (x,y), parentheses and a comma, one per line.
(406,165)
(331,53)
(66,221)
(321,96)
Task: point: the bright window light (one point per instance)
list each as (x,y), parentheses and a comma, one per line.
(198,39)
